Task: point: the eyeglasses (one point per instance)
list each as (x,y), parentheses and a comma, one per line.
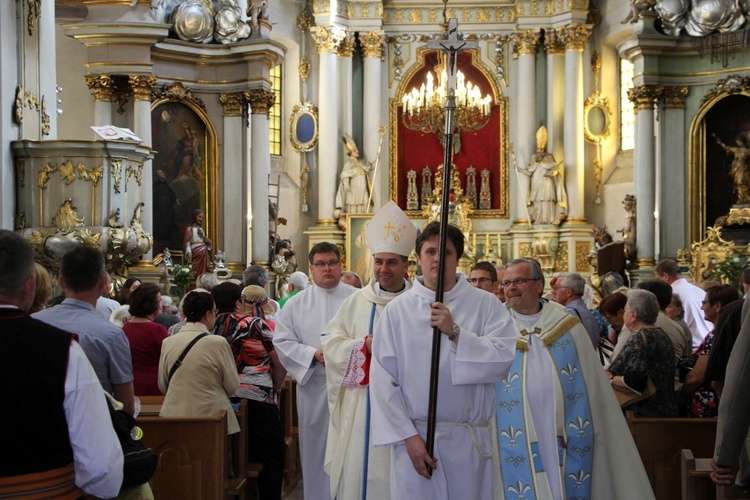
(517,282)
(330,263)
(561,286)
(478,280)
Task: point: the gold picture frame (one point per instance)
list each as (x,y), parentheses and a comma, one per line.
(303,127)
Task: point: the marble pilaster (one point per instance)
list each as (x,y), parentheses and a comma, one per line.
(260,101)
(328,41)
(644,171)
(141,86)
(525,45)
(235,204)
(373,51)
(555,50)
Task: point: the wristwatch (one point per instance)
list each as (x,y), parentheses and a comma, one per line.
(455,330)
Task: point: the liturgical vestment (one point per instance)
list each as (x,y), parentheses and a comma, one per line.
(561,433)
(299,327)
(400,378)
(357,468)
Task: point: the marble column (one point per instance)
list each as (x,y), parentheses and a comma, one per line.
(672,173)
(525,45)
(328,41)
(373,51)
(260,101)
(102,88)
(346,84)
(141,86)
(574,36)
(644,172)
(555,50)
(235,203)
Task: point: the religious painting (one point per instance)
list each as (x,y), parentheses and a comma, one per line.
(720,165)
(184,166)
(479,149)
(358,255)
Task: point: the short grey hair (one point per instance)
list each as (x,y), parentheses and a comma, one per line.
(575,281)
(644,304)
(255,275)
(207,281)
(536,269)
(677,302)
(299,280)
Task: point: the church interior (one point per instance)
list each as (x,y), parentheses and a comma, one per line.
(245,122)
(298,119)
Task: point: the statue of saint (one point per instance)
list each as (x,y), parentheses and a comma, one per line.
(354,189)
(740,170)
(629,230)
(284,263)
(547,196)
(196,243)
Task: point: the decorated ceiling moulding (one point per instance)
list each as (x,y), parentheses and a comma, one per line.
(734,84)
(101,87)
(328,39)
(433,15)
(233,104)
(261,100)
(177,92)
(141,86)
(525,43)
(373,45)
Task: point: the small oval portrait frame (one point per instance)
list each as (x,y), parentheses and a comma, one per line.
(597,101)
(303,127)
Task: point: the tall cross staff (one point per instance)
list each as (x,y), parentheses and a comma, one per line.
(451,46)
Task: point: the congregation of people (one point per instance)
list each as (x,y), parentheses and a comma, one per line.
(531,389)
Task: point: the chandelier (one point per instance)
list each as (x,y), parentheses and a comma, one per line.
(422,109)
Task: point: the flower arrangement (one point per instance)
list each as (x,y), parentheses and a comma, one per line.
(730,270)
(183,277)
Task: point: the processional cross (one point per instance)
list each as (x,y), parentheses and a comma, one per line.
(451,46)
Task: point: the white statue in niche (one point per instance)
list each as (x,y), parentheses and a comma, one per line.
(547,197)
(353,194)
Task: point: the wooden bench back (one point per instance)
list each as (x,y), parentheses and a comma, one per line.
(192,456)
(660,441)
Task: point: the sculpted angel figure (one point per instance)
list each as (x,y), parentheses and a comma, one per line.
(740,170)
(547,196)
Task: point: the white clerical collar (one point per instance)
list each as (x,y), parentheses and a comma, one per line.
(385,293)
(527,320)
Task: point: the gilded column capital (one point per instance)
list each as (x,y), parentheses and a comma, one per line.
(574,36)
(525,44)
(346,48)
(260,100)
(142,86)
(233,103)
(553,44)
(674,96)
(328,39)
(373,45)
(101,87)
(644,96)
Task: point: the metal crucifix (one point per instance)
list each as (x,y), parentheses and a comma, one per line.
(451,46)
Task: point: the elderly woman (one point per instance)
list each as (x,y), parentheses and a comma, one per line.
(648,353)
(42,290)
(261,376)
(145,337)
(202,384)
(612,307)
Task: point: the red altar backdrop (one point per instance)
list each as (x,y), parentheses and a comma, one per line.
(483,149)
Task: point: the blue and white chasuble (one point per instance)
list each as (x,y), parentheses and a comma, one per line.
(590,465)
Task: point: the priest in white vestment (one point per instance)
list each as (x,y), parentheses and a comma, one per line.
(477,347)
(359,470)
(561,433)
(299,326)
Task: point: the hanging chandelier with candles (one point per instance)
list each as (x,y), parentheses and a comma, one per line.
(422,109)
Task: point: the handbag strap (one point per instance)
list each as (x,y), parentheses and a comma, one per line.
(178,363)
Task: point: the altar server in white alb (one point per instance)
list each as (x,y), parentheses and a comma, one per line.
(299,327)
(477,348)
(358,470)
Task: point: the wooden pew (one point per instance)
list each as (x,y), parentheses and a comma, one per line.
(193,457)
(288,413)
(151,405)
(243,467)
(660,442)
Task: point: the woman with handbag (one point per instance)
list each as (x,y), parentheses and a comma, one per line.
(199,385)
(643,374)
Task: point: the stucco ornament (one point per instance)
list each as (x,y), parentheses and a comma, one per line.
(707,16)
(229,27)
(194,21)
(673,15)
